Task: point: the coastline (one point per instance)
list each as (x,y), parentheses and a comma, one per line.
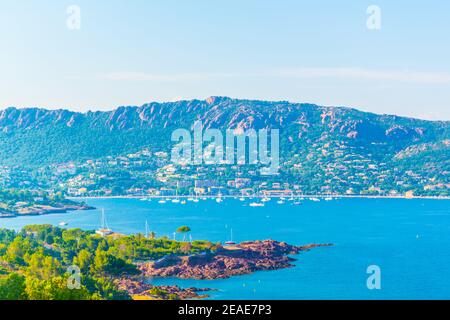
(226,262)
(45,210)
(274,197)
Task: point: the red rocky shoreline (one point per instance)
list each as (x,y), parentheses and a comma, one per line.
(228,261)
(225,262)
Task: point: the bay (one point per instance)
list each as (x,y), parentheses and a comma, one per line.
(407,239)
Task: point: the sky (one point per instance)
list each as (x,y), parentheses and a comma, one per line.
(393,60)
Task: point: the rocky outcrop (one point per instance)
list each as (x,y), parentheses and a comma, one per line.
(244,258)
(36,210)
(138,289)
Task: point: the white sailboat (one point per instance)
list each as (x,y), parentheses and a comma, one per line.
(219,198)
(231,242)
(146,229)
(104,230)
(176,200)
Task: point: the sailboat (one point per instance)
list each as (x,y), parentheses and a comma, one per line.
(176,200)
(104,230)
(219,198)
(231,242)
(146,229)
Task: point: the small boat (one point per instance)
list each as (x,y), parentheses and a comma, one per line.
(190,199)
(104,229)
(280,202)
(176,200)
(183,202)
(315,199)
(231,242)
(242,199)
(219,200)
(63,224)
(146,230)
(162,201)
(297,203)
(265,199)
(328,199)
(195,200)
(257,204)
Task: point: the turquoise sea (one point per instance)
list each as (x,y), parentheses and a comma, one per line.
(408,239)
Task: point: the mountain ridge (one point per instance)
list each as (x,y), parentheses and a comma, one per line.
(37,137)
(209,101)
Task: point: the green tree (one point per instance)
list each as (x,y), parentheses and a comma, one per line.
(184,230)
(83,260)
(43,266)
(12,287)
(54,289)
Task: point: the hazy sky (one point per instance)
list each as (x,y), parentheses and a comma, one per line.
(133,52)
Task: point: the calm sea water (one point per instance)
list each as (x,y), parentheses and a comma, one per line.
(408,239)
